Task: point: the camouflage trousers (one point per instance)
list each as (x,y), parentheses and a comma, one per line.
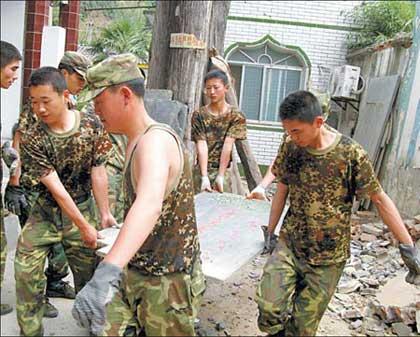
(293,295)
(46,227)
(58,267)
(156,305)
(212,174)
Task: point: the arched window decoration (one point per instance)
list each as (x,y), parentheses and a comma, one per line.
(265,73)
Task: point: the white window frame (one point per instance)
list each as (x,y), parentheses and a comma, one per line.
(302,84)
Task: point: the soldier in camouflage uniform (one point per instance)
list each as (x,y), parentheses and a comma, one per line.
(214,129)
(151,280)
(114,166)
(321,171)
(73,66)
(63,156)
(10,59)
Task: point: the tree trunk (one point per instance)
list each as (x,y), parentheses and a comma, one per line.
(182,70)
(159,50)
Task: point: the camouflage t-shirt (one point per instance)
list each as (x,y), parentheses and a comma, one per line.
(72,154)
(322,185)
(214,130)
(27,118)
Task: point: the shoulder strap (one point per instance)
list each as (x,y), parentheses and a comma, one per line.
(166,128)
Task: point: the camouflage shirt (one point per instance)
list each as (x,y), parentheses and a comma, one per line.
(27,118)
(322,185)
(72,155)
(173,244)
(214,130)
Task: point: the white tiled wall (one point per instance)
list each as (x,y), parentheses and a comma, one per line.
(324,47)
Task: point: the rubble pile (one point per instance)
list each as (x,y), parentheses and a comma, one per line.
(375,259)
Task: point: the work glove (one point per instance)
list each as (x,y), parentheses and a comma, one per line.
(90,303)
(270,241)
(15,200)
(219,183)
(10,157)
(411,257)
(205,184)
(257,193)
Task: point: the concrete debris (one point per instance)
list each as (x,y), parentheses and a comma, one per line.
(356,324)
(371,229)
(373,327)
(351,314)
(375,259)
(220,326)
(348,286)
(367,237)
(401,329)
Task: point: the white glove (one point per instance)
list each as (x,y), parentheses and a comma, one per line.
(257,193)
(205,184)
(10,157)
(219,183)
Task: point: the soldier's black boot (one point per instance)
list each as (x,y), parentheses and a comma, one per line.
(60,288)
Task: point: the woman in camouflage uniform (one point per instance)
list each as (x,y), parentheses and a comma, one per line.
(214,129)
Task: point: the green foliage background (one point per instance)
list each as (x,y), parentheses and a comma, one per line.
(115,31)
(379,21)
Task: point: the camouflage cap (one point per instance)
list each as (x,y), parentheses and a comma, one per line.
(113,70)
(77,61)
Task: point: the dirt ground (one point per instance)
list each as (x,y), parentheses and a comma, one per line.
(228,308)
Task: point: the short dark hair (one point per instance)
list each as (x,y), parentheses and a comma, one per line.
(300,105)
(8,53)
(136,85)
(221,75)
(63,66)
(48,76)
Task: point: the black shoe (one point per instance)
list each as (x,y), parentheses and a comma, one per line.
(50,310)
(281,333)
(5,309)
(60,289)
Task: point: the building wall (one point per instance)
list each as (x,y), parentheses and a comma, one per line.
(317,27)
(12,31)
(400,169)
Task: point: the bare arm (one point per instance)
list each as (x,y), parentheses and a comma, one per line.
(277,206)
(268,178)
(226,155)
(67,205)
(391,217)
(152,169)
(100,191)
(203,156)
